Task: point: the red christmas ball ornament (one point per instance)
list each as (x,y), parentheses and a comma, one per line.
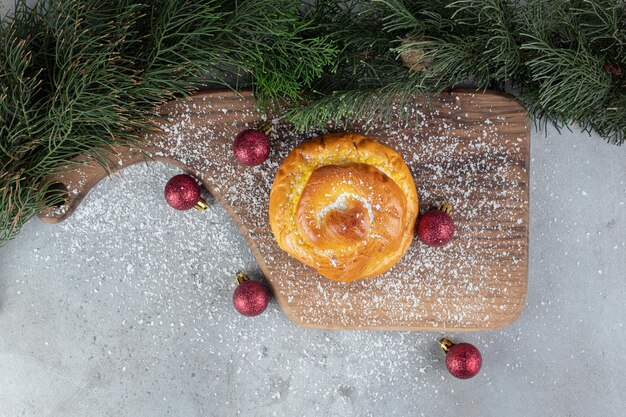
(462,360)
(250,297)
(252,146)
(616,70)
(182,192)
(435,227)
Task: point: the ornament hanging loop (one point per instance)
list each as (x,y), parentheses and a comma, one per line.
(446,207)
(241,277)
(445,344)
(266,128)
(201,205)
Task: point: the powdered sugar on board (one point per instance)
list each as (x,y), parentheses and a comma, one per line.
(74,314)
(463,149)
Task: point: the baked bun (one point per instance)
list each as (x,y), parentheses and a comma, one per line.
(345,205)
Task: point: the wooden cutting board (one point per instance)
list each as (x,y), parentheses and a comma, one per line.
(469,148)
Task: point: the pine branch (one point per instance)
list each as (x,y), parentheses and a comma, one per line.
(79,76)
(565,58)
(367,106)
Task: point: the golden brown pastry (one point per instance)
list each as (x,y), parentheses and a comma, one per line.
(345,205)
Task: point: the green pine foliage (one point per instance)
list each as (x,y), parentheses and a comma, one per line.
(565,59)
(77,76)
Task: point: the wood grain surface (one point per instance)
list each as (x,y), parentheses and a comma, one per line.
(469,148)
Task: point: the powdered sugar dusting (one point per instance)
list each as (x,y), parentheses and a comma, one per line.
(461,285)
(341,204)
(125,309)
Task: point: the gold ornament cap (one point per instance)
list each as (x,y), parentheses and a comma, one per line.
(446,207)
(241,277)
(201,205)
(266,128)
(445,344)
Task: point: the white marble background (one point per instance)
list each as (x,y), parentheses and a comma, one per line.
(125,310)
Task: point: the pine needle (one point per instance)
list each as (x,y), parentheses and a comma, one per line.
(79,76)
(566,59)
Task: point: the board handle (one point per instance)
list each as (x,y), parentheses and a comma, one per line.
(76,180)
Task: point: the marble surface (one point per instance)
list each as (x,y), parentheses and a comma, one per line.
(125,310)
